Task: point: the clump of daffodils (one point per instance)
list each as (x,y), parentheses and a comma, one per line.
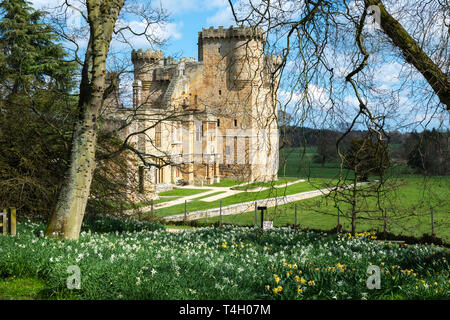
(277,289)
(276,278)
(367,235)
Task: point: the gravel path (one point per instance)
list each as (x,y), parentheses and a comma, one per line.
(226,192)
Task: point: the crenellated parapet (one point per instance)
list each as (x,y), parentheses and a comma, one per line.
(232,32)
(148,56)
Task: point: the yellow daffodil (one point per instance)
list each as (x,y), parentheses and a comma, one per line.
(276,278)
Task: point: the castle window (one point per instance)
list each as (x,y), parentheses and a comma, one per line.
(235,150)
(198,132)
(218,122)
(195,100)
(235,122)
(220,92)
(176,134)
(158,135)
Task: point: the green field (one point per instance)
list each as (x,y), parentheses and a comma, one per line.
(21,289)
(298,162)
(182,192)
(253,185)
(408,205)
(226,183)
(408,212)
(196,204)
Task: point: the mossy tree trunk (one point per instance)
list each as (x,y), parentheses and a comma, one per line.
(68,216)
(414,54)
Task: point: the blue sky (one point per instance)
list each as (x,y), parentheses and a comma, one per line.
(187,18)
(191,21)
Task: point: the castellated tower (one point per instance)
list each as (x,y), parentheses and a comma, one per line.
(242,94)
(226,123)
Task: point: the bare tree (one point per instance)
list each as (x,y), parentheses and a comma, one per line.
(335,61)
(101,20)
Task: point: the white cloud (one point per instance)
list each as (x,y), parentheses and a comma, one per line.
(44,4)
(223,17)
(161,32)
(388,73)
(185,6)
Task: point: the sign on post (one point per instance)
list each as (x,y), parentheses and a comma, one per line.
(267,225)
(262,208)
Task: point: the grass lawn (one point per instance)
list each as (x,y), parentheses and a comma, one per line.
(253,185)
(178,226)
(298,162)
(208,195)
(21,288)
(182,192)
(163,199)
(226,183)
(195,204)
(408,212)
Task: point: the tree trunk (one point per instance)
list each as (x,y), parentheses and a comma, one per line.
(72,199)
(414,54)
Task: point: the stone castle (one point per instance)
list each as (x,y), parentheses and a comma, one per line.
(200,121)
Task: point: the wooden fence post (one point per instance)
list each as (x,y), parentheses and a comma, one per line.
(262,219)
(185,209)
(4,226)
(12,221)
(385,218)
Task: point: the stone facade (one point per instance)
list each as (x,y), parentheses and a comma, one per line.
(207,119)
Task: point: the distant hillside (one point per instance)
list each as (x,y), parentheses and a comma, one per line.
(291,137)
